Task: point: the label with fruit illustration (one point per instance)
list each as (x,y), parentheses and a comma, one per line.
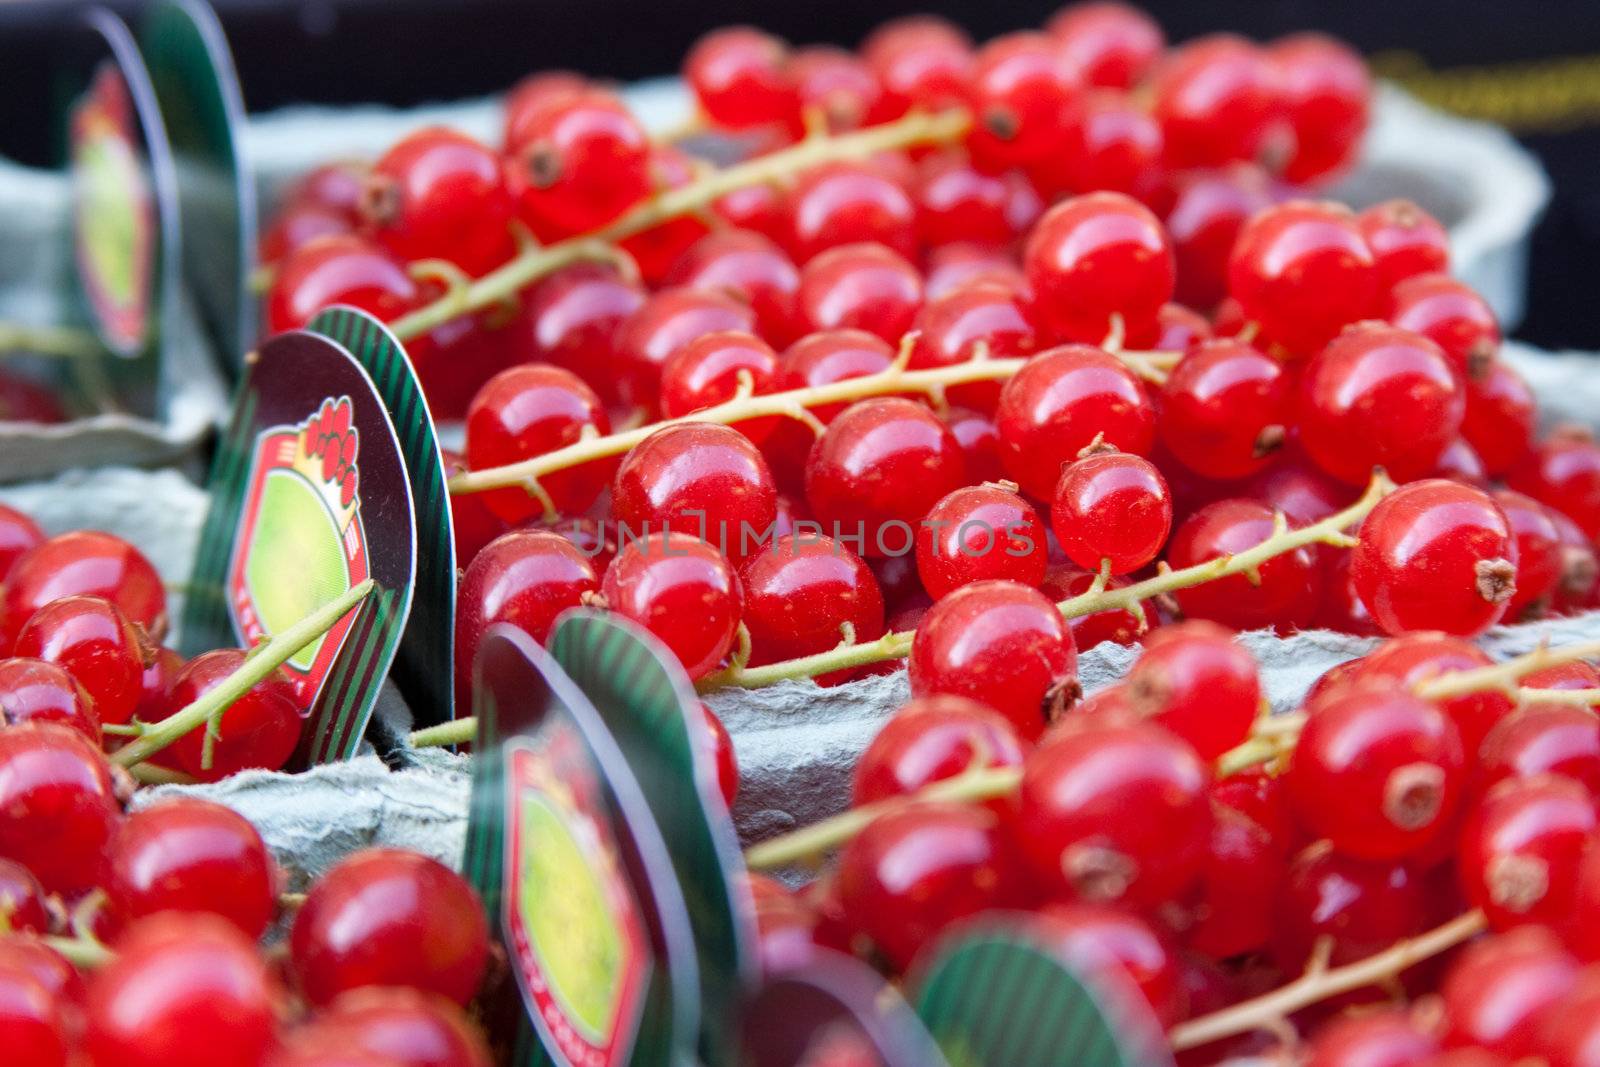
(309,496)
(300,518)
(113,211)
(573,928)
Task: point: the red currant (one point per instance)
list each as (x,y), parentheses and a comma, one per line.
(700,478)
(801,592)
(952,266)
(1019,92)
(1326,93)
(1299,489)
(1542,739)
(582,159)
(1107,144)
(835,84)
(957,202)
(658,248)
(722,756)
(921,61)
(1562,471)
(1405,241)
(1215,98)
(338,269)
(85,563)
(1239,885)
(32,690)
(1385,1038)
(931,739)
(978,320)
(980,532)
(1285,590)
(741,77)
(260,729)
(1435,555)
(683,591)
(1540,560)
(1107,43)
(1111,507)
(1120,625)
(849,202)
(1451,315)
(1109,936)
(1303,271)
(437,193)
(1094,257)
(862,287)
(572,316)
(709,371)
(746,266)
(1567,1036)
(18,533)
(1363,906)
(22,900)
(1225,409)
(94,643)
(975,432)
(1499,990)
(1500,418)
(664,324)
(34,1026)
(525,99)
(1196,681)
(1209,210)
(1410,660)
(1521,846)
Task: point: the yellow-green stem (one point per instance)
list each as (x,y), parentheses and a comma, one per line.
(62,341)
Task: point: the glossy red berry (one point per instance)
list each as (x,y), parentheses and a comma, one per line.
(1019,91)
(1405,241)
(1435,555)
(1215,97)
(877,470)
(1107,43)
(914,871)
(836,84)
(1303,271)
(1542,738)
(979,320)
(335,186)
(32,690)
(571,317)
(1120,625)
(654,333)
(384,917)
(849,202)
(1111,507)
(525,578)
(746,266)
(582,160)
(1563,471)
(1389,1037)
(1002,644)
(403,1027)
(1244,870)
(1499,991)
(18,533)
(1540,560)
(1567,1035)
(260,729)
(96,644)
(829,356)
(1377,772)
(1379,396)
(800,594)
(527,96)
(921,61)
(683,591)
(980,532)
(1199,683)
(192,855)
(85,563)
(1325,93)
(700,479)
(35,1027)
(1225,410)
(1451,315)
(957,202)
(1115,937)
(655,250)
(860,287)
(1094,257)
(1407,661)
(1208,210)
(975,432)
(1116,814)
(185,991)
(1500,419)
(949,267)
(741,77)
(526,411)
(712,369)
(722,756)
(1288,586)
(338,269)
(1060,403)
(757,208)
(1521,846)
(1107,144)
(1363,906)
(931,739)
(438,194)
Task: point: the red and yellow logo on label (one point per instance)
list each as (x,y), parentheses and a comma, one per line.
(300,542)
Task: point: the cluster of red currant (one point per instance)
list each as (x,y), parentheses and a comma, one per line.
(1424,796)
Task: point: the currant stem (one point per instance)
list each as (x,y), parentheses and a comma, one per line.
(1505,675)
(534,263)
(83,953)
(1319,984)
(976,783)
(62,341)
(262,661)
(455,732)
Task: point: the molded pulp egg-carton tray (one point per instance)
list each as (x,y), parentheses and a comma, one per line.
(1472,176)
(796,743)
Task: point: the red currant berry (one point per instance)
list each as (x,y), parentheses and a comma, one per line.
(980,532)
(1094,257)
(1460,463)
(980,320)
(957,202)
(1019,91)
(1542,739)
(1567,1035)
(1107,144)
(1120,939)
(741,78)
(1215,97)
(1377,772)
(18,533)
(1500,418)
(883,463)
(836,84)
(1209,210)
(952,266)
(1326,93)
(472,524)
(1239,885)
(1286,590)
(1499,990)
(1196,681)
(338,269)
(572,316)
(403,1027)
(1303,271)
(1435,555)
(931,739)
(1116,814)
(1405,241)
(32,690)
(656,249)
(800,594)
(699,478)
(665,323)
(832,356)
(975,432)
(1107,43)
(1180,329)
(1263,797)
(1410,660)
(526,578)
(438,194)
(1562,471)
(526,411)
(711,369)
(1386,1038)
(683,591)
(529,95)
(85,563)
(1540,560)
(850,202)
(582,160)
(1111,507)
(260,729)
(1451,315)
(862,287)
(384,917)
(758,208)
(156,683)
(913,872)
(1225,410)
(1521,846)
(335,186)
(921,61)
(1299,489)
(1060,403)
(1342,610)
(746,266)
(184,991)
(1364,907)
(191,855)
(97,646)
(1002,644)
(34,1026)
(1120,625)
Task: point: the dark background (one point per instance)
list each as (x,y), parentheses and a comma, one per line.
(408,51)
